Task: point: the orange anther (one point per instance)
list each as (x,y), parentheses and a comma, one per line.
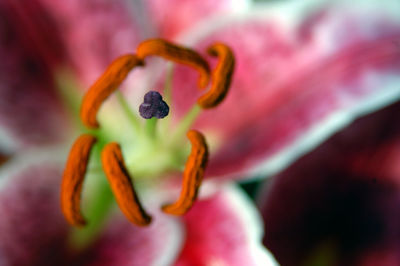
(221,76)
(192,175)
(105,85)
(72,181)
(177,54)
(121,185)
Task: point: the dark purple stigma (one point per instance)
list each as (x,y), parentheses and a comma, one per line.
(153,106)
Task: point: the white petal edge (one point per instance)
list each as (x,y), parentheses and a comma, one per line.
(251,220)
(153,196)
(175,242)
(7,143)
(53,154)
(326,128)
(287,13)
(240,206)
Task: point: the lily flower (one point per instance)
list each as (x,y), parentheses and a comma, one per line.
(44,238)
(270,116)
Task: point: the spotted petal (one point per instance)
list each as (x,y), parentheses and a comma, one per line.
(304,70)
(95,32)
(224,229)
(30,47)
(125,244)
(174,18)
(39,40)
(32,228)
(34,231)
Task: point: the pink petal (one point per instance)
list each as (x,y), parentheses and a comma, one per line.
(341,198)
(126,244)
(175,17)
(224,230)
(34,232)
(295,83)
(32,229)
(96,32)
(38,39)
(30,48)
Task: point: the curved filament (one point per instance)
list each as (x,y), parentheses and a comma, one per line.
(177,54)
(221,76)
(73,177)
(121,185)
(192,175)
(108,82)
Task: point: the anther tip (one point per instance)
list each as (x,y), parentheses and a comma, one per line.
(79,224)
(146,221)
(170,209)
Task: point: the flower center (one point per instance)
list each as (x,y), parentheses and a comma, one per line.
(148,153)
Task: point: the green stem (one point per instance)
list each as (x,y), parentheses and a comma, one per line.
(166,122)
(99,202)
(168,84)
(128,111)
(151,127)
(68,90)
(100,205)
(186,122)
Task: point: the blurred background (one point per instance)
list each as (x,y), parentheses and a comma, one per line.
(308,132)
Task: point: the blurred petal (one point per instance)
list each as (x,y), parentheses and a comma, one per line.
(339,203)
(126,244)
(175,17)
(30,111)
(303,72)
(32,229)
(34,232)
(95,32)
(224,229)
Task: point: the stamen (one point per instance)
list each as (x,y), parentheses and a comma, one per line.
(153,106)
(221,76)
(177,54)
(121,185)
(72,181)
(105,85)
(192,175)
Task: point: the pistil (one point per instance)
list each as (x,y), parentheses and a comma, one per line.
(152,109)
(133,119)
